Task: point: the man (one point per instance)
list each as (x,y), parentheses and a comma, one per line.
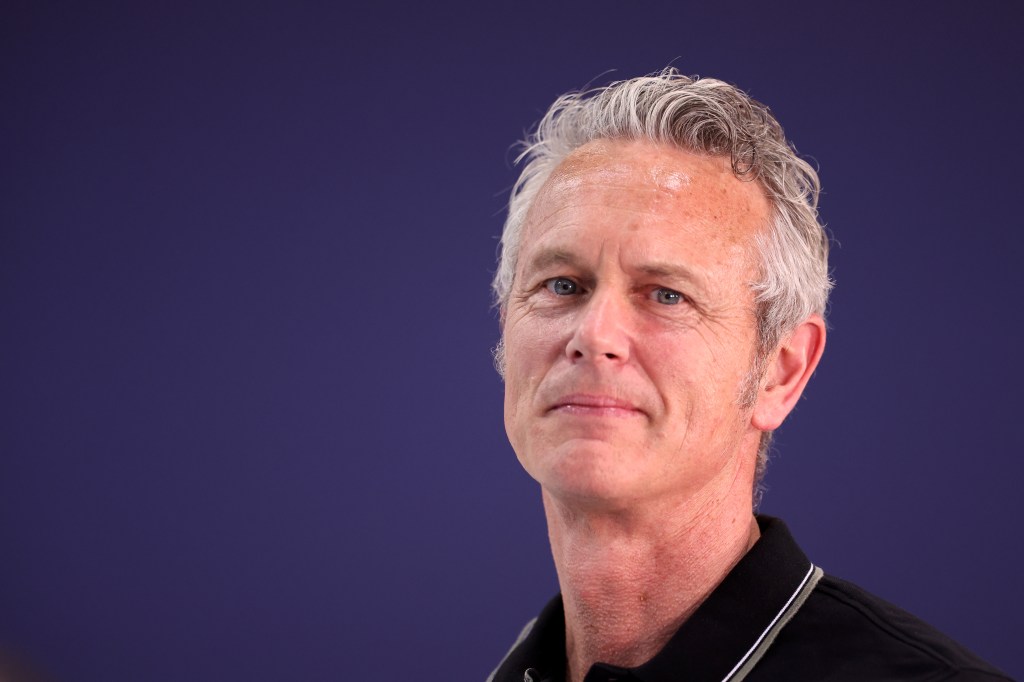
(662,286)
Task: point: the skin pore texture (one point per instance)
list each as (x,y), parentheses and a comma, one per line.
(629,337)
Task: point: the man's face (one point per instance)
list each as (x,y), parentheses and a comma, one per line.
(630,331)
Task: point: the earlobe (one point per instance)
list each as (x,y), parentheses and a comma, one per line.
(788,371)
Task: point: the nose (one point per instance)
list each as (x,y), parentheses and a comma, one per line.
(602,330)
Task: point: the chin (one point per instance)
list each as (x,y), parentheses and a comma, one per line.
(589,474)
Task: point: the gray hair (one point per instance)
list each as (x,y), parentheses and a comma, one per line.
(705,116)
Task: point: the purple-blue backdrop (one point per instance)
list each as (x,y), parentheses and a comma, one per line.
(250,428)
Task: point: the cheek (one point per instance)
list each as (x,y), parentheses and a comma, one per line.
(531,346)
(520,358)
(671,360)
(693,383)
(531,350)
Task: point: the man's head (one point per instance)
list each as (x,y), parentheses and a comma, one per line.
(671,122)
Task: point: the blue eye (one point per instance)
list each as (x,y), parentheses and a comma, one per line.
(668,296)
(561,286)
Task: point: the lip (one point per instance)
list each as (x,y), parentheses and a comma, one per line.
(590,404)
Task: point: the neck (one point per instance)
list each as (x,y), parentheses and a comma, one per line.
(629,578)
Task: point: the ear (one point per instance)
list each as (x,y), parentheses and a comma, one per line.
(788,371)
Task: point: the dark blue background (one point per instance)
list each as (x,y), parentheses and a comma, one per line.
(250,428)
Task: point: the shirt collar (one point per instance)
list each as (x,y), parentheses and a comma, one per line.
(712,643)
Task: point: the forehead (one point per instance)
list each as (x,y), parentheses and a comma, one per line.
(699,195)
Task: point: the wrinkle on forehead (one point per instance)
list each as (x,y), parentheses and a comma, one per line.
(601,161)
(659,178)
(698,186)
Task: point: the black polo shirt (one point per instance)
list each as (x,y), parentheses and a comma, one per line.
(775,617)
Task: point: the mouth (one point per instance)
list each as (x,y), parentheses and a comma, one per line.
(590,405)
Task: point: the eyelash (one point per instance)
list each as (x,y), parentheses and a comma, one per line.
(552,284)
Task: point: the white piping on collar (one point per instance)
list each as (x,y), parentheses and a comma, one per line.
(758,649)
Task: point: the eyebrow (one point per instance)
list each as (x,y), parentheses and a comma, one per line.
(675,272)
(548,257)
(670,270)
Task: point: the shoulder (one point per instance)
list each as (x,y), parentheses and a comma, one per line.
(843,632)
